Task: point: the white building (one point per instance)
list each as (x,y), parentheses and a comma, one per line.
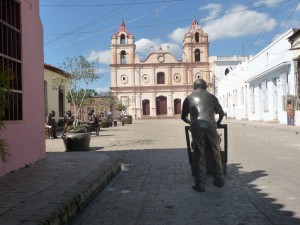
(157,85)
(295,48)
(258,89)
(220,66)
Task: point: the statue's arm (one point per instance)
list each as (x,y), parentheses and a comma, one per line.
(185,111)
(219,110)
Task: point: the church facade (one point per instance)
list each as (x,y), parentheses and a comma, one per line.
(156,86)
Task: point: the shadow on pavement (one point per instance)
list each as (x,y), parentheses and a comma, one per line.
(158,182)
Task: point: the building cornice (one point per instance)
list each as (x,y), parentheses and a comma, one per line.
(179,64)
(56,70)
(271,70)
(152,88)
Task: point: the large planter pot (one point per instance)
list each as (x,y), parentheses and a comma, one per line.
(77,141)
(127,119)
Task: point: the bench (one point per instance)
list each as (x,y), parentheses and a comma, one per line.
(93,127)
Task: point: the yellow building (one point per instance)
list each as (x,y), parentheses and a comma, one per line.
(55,91)
(157,85)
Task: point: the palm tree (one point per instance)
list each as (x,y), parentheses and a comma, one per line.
(5,79)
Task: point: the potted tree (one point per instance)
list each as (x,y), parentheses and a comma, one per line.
(6,77)
(125,119)
(80,74)
(105,108)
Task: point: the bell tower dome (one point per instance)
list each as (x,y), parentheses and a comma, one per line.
(195,44)
(122,47)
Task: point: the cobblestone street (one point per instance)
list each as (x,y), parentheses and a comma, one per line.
(155,185)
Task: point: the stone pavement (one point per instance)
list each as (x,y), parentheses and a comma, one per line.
(56,188)
(261,185)
(52,190)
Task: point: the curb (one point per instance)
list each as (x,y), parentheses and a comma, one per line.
(73,201)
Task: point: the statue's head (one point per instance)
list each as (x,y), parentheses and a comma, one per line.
(68,113)
(90,112)
(200,83)
(52,113)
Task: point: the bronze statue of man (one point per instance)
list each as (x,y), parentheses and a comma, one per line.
(50,120)
(91,117)
(68,120)
(202,107)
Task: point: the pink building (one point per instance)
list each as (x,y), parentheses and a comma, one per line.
(21,49)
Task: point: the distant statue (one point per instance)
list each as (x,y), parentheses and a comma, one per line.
(202,106)
(50,121)
(91,118)
(68,120)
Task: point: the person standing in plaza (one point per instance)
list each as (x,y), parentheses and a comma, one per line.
(202,107)
(290,113)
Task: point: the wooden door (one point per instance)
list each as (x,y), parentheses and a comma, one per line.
(177,106)
(161,105)
(146,107)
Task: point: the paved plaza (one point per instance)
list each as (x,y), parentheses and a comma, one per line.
(142,176)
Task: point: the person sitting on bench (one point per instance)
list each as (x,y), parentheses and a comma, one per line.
(50,121)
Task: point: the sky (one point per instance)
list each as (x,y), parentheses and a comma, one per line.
(234,27)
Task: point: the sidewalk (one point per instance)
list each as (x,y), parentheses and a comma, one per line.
(54,189)
(264,124)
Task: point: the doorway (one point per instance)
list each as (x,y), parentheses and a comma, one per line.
(161,105)
(146,107)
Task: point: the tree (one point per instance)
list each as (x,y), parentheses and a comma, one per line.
(81,74)
(6,76)
(88,99)
(108,100)
(120,106)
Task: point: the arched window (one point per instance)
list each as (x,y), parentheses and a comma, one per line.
(197,37)
(122,39)
(123,57)
(197,55)
(226,71)
(160,78)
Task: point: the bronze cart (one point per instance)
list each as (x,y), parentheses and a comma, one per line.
(223,149)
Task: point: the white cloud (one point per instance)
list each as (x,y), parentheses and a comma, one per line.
(144,45)
(270,3)
(173,48)
(298,8)
(103,89)
(214,10)
(240,23)
(103,56)
(178,34)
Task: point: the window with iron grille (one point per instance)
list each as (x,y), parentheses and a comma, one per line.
(10,55)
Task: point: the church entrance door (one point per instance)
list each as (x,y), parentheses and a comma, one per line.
(161,105)
(177,106)
(146,107)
